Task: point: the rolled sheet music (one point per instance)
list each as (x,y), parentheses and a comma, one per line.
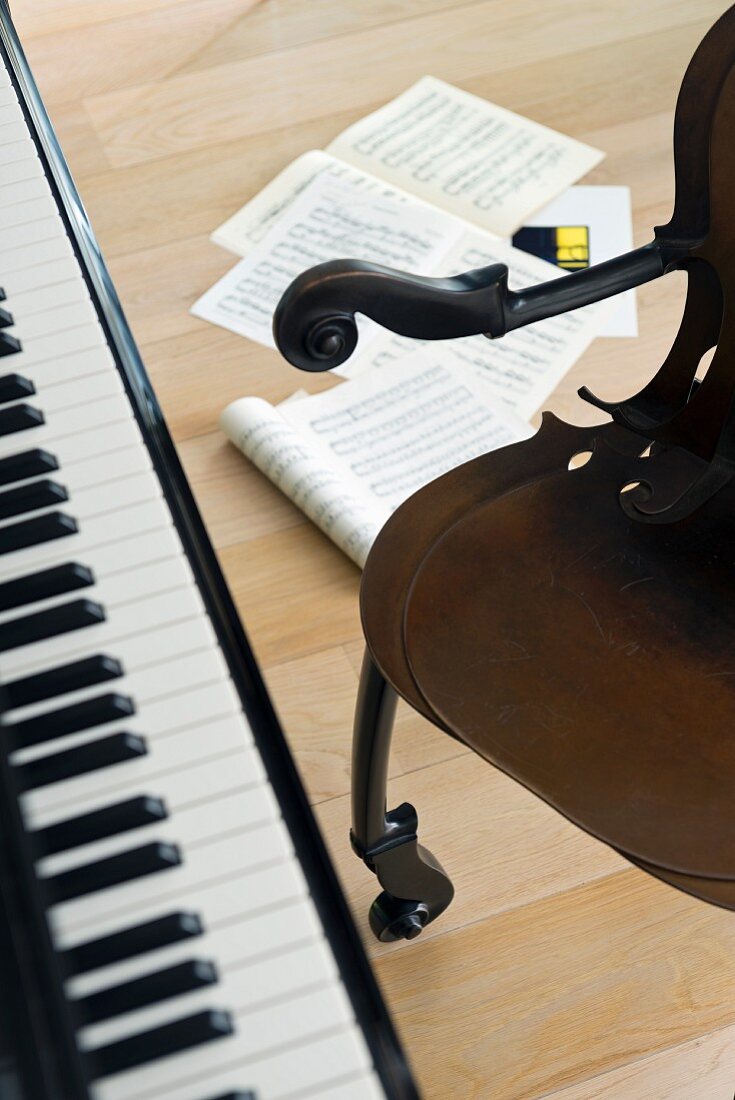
(348,457)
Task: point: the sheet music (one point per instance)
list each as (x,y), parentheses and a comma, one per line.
(332,218)
(249,225)
(465,155)
(524,367)
(350,456)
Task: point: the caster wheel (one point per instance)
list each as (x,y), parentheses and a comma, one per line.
(396,918)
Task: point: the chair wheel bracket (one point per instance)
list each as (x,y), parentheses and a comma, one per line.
(416,889)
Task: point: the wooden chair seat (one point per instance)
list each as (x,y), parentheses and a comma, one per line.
(413,529)
(518,607)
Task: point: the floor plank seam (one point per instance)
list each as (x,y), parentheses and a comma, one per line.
(650,1056)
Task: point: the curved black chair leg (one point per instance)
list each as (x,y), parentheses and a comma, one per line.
(415,887)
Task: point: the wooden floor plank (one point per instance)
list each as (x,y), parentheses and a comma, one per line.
(296,591)
(566,988)
(238,503)
(273,26)
(319,701)
(703,1069)
(125,51)
(34,18)
(247,97)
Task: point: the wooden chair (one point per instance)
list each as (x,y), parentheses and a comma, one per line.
(574,624)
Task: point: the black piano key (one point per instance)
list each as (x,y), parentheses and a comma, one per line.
(73,719)
(15,386)
(27,464)
(6,318)
(56,581)
(115,749)
(9,345)
(159,1042)
(39,494)
(32,532)
(50,623)
(104,873)
(239,1095)
(18,418)
(62,679)
(174,981)
(109,821)
(130,942)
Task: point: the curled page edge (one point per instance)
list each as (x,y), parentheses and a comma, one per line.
(306,474)
(248,225)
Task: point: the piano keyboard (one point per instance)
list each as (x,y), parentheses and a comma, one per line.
(196,962)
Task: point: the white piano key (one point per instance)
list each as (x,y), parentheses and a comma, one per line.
(114,467)
(73,393)
(236,809)
(178,676)
(98,500)
(365,1087)
(31,210)
(181,785)
(160,645)
(245,939)
(90,446)
(130,551)
(110,529)
(56,320)
(13,193)
(305,1069)
(13,131)
(232,855)
(38,277)
(221,902)
(57,345)
(44,299)
(180,636)
(96,442)
(158,719)
(10,111)
(152,579)
(80,364)
(37,255)
(283,979)
(18,171)
(105,411)
(128,621)
(147,580)
(229,1064)
(182,751)
(20,150)
(21,236)
(8,96)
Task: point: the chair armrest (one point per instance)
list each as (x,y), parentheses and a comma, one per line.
(314,323)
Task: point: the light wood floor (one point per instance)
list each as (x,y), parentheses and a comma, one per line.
(559,970)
